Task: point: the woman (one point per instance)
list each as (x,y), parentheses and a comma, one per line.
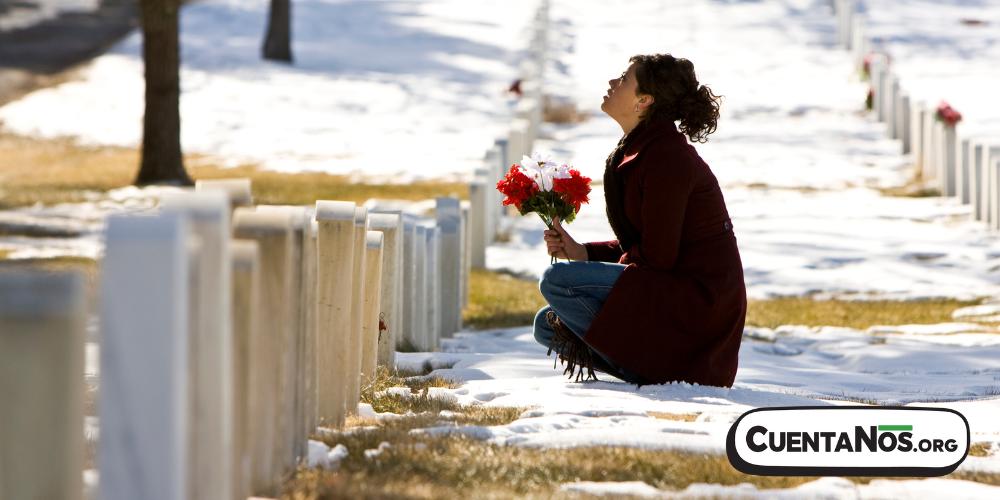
(665,301)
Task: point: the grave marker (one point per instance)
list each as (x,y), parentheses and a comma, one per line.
(272,230)
(335,275)
(211,342)
(432,277)
(43,320)
(357,310)
(448,214)
(144,399)
(421,299)
(246,320)
(407,332)
(237,189)
(373,292)
(391,284)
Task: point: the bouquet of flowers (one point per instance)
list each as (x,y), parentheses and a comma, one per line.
(550,190)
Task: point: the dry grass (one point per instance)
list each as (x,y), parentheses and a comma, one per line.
(678,417)
(501,300)
(54,171)
(980,449)
(556,110)
(458,467)
(455,466)
(775,312)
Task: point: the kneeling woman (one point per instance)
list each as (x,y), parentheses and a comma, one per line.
(666,300)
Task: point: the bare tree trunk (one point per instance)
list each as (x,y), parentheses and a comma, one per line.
(278,44)
(162,162)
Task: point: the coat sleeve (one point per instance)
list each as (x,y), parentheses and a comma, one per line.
(666,187)
(603,251)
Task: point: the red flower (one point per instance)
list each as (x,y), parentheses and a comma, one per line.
(948,114)
(574,190)
(517,187)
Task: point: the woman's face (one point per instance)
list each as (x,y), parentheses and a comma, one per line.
(621,100)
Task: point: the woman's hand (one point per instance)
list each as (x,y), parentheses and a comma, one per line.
(559,240)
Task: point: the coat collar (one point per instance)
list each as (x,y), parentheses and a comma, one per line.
(652,130)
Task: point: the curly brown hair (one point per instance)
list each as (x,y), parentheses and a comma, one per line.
(677,96)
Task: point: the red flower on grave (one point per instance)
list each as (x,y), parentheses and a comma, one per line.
(574,189)
(516,187)
(947,114)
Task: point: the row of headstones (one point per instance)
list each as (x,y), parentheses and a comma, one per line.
(228,333)
(966,168)
(521,135)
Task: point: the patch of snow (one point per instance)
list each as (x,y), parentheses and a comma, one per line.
(365,410)
(374,453)
(320,455)
(938,329)
(973,311)
(91,480)
(827,488)
(629,488)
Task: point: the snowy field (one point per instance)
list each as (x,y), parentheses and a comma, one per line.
(415,87)
(397,90)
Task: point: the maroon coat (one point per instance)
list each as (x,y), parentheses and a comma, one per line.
(677,311)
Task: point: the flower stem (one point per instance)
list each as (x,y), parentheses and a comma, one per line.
(548,224)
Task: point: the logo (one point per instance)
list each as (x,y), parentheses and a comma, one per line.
(848,441)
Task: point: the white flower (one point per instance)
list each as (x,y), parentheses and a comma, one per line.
(543,170)
(562,172)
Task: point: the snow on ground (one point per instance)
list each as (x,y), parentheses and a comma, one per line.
(828,488)
(408,89)
(941,50)
(793,366)
(18,15)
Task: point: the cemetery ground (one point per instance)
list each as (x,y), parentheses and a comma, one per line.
(444,465)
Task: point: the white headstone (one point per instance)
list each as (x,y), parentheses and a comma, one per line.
(962,172)
(211,343)
(421,298)
(357,310)
(409,280)
(949,149)
(986,180)
(466,256)
(295,443)
(891,111)
(448,213)
(246,320)
(917,137)
(312,321)
(391,292)
(43,320)
(976,179)
(373,295)
(335,275)
(238,190)
(905,123)
(272,230)
(928,146)
(144,396)
(432,276)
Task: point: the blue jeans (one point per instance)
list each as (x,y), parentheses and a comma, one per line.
(576,291)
